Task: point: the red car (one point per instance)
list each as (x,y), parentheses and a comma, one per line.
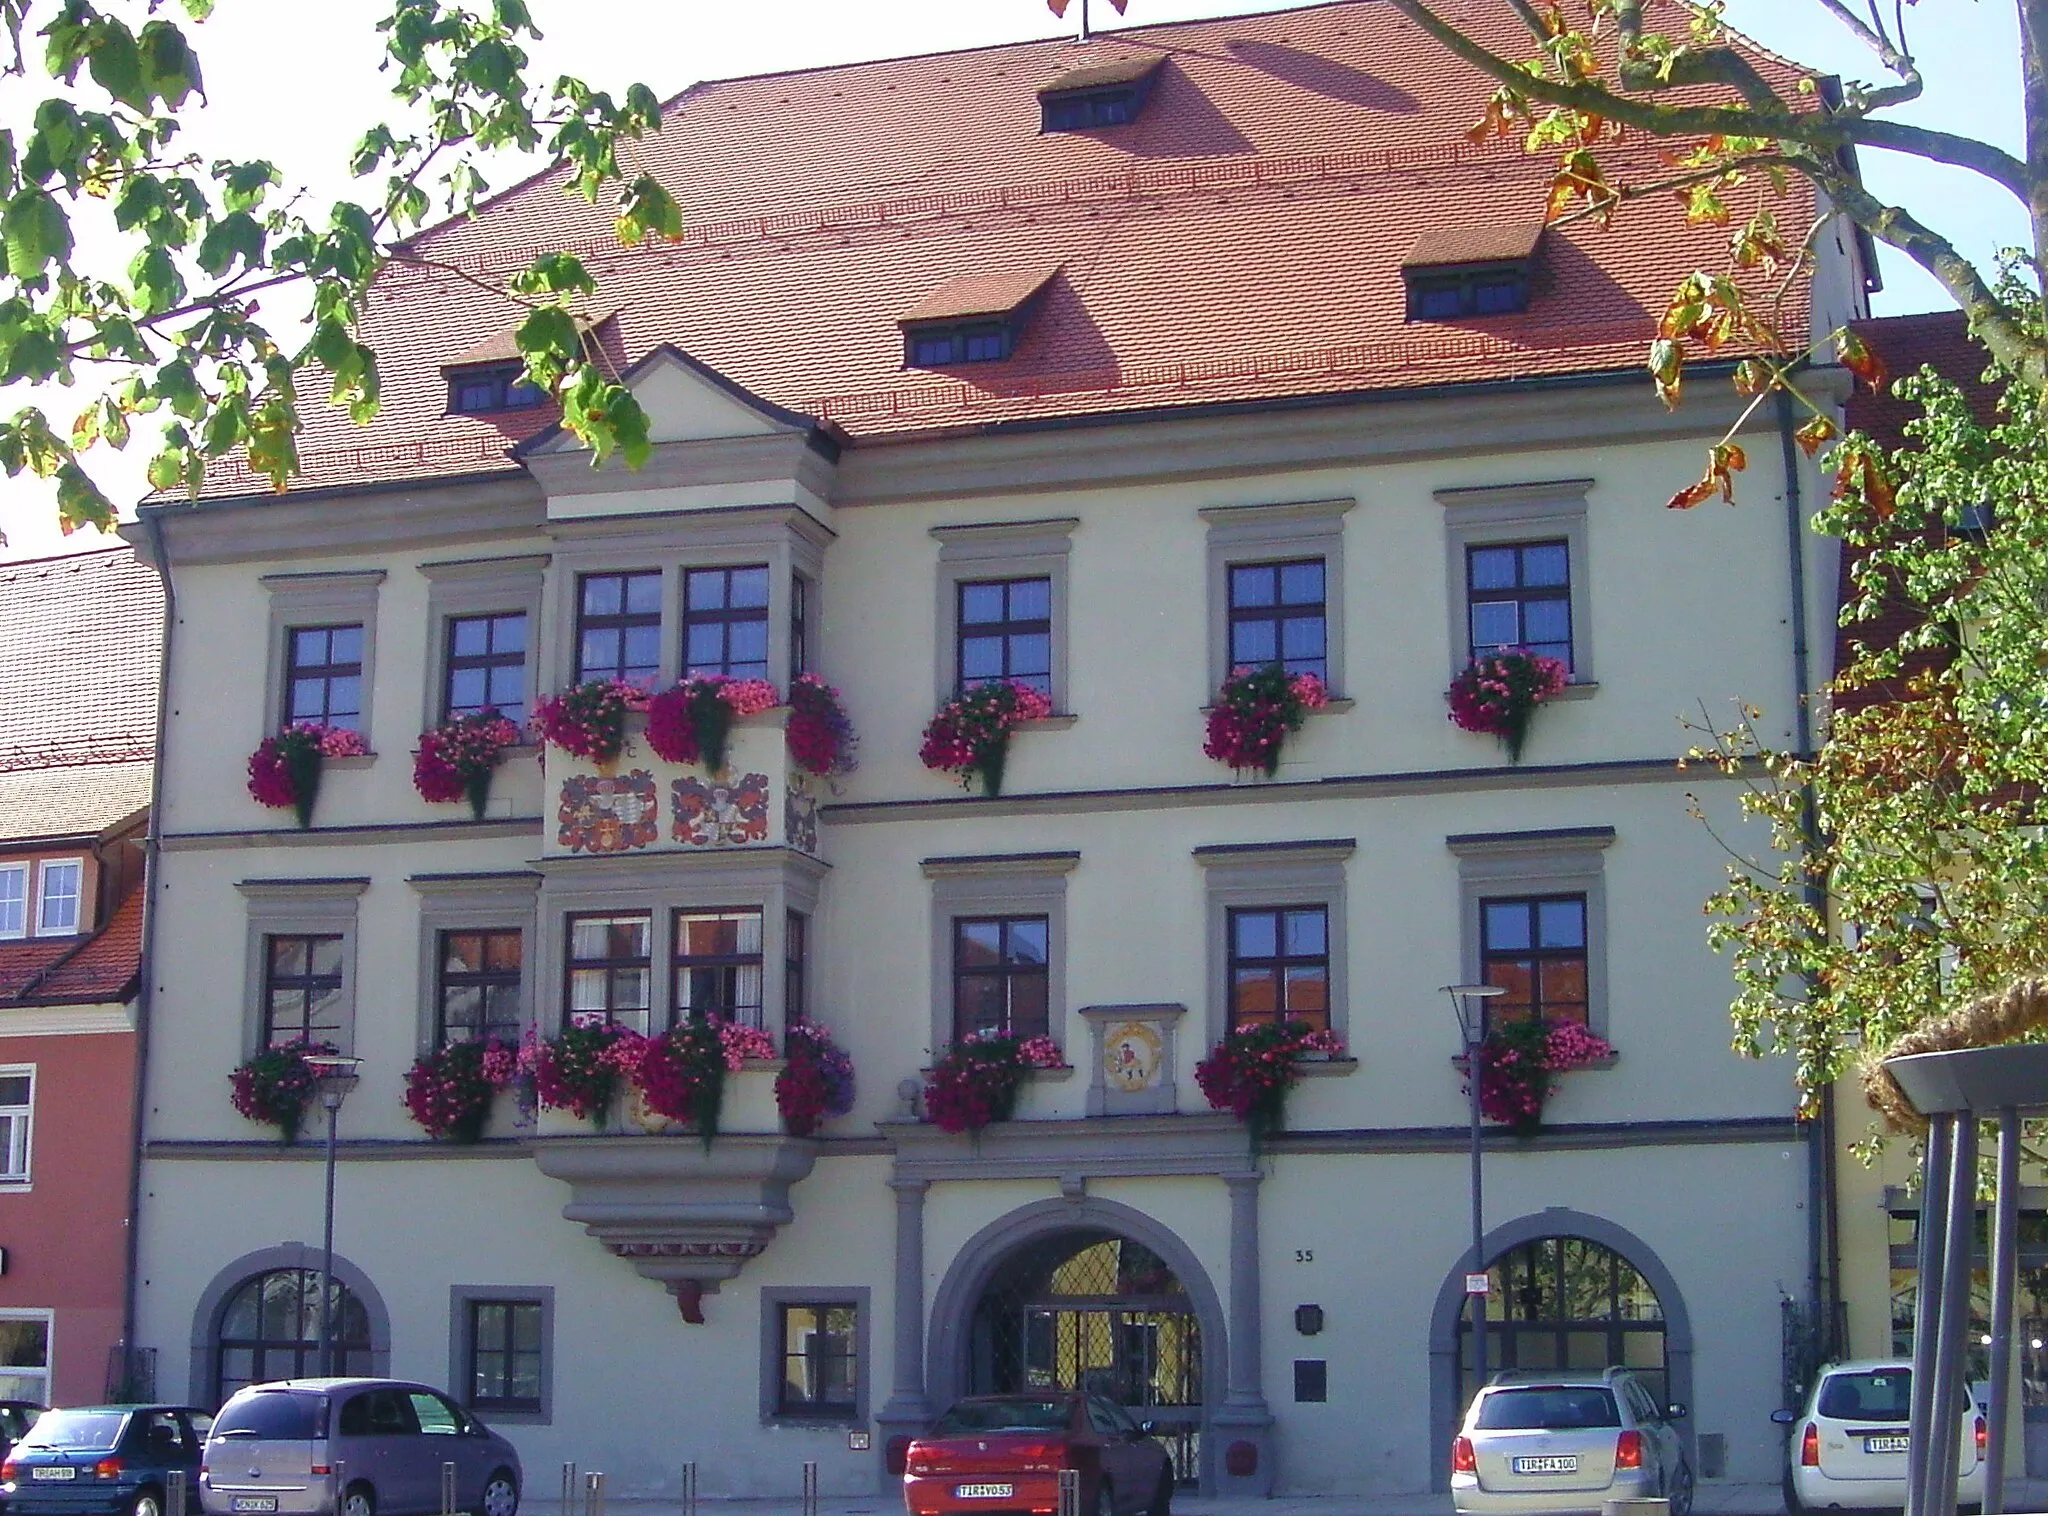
(1004,1453)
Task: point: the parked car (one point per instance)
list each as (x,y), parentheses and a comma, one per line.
(1005,1452)
(1550,1443)
(108,1460)
(1848,1443)
(16,1417)
(352,1447)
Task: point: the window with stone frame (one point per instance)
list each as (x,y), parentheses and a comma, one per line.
(1534,948)
(1533,919)
(1278,615)
(618,627)
(1279,965)
(820,1359)
(1519,595)
(323,679)
(302,988)
(477,989)
(1004,631)
(506,1354)
(609,970)
(1000,976)
(718,966)
(486,666)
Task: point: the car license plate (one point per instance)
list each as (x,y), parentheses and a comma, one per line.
(253,1503)
(1891,1444)
(984,1491)
(65,1473)
(1553,1464)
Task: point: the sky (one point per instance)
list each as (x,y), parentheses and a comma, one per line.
(298,84)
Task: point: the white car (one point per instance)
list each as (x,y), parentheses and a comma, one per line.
(1848,1444)
(1551,1443)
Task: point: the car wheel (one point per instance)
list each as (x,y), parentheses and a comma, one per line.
(146,1503)
(501,1495)
(1680,1493)
(359,1501)
(1162,1498)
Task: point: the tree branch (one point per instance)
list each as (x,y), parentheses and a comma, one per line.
(1899,63)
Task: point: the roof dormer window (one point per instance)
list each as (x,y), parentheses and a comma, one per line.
(1454,273)
(1100,95)
(977,318)
(485,388)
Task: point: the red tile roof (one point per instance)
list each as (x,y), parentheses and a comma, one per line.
(1240,241)
(1104,74)
(96,971)
(980,295)
(79,637)
(1500,242)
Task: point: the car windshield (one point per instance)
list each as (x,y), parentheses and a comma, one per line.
(86,1431)
(1870,1395)
(272,1416)
(1004,1416)
(1548,1408)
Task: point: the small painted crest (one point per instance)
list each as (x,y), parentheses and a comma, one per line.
(609,813)
(720,813)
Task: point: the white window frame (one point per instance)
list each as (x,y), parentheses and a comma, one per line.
(1547,510)
(21,871)
(17,1157)
(49,1364)
(44,870)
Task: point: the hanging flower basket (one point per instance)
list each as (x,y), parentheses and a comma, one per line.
(1251,1070)
(970,735)
(1498,692)
(820,735)
(691,722)
(285,768)
(449,1091)
(816,1080)
(589,720)
(580,1071)
(274,1086)
(975,1081)
(456,759)
(1254,712)
(1518,1064)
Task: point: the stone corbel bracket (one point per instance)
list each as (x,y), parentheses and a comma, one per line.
(686,1218)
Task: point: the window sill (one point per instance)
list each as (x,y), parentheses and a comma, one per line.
(1458,1063)
(358,761)
(1059,1075)
(1336,705)
(1325,1068)
(497,1416)
(1578,689)
(1058,722)
(823,1421)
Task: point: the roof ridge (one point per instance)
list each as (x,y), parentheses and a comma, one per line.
(9,565)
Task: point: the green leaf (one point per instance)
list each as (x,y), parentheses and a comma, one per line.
(243,185)
(168,61)
(549,333)
(555,273)
(234,236)
(645,208)
(36,230)
(80,502)
(115,62)
(158,284)
(166,469)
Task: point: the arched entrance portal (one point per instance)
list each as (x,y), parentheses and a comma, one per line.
(1094,1311)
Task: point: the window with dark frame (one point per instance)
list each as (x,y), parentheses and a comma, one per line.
(1519,595)
(609,970)
(725,621)
(1448,294)
(1003,630)
(799,625)
(1534,948)
(618,627)
(505,1351)
(718,969)
(942,345)
(1087,110)
(796,947)
(478,990)
(486,666)
(480,390)
(301,988)
(1001,976)
(323,676)
(1278,965)
(820,1362)
(1279,614)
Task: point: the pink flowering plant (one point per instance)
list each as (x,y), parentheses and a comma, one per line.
(1519,1061)
(691,722)
(815,1082)
(449,1091)
(1498,692)
(588,720)
(1251,1070)
(273,1086)
(456,759)
(579,1071)
(285,768)
(975,1081)
(1254,712)
(820,734)
(970,735)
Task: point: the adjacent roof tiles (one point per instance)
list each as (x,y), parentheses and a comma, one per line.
(97,970)
(78,679)
(979,295)
(70,800)
(1456,246)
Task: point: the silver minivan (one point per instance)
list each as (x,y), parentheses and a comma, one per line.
(352,1447)
(1543,1443)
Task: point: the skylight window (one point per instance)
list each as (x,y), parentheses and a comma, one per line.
(485,388)
(1100,95)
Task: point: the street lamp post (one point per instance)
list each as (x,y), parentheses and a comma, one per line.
(336,1076)
(1468,1001)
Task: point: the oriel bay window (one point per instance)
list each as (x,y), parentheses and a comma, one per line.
(725,621)
(1000,972)
(477,995)
(609,970)
(1277,615)
(302,997)
(718,967)
(1535,950)
(1279,966)
(486,665)
(618,628)
(1519,594)
(324,676)
(1004,627)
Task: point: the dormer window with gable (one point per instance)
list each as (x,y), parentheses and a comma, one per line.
(1461,272)
(977,318)
(1100,95)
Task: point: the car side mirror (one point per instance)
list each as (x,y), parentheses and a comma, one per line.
(1784,1418)
(1147,1428)
(1675,1411)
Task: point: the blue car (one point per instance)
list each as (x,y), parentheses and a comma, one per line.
(108,1460)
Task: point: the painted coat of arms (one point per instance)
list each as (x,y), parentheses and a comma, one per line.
(609,813)
(800,814)
(714,813)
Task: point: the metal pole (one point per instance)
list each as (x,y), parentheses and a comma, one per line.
(1945,1420)
(176,1502)
(2004,1283)
(810,1488)
(1934,1166)
(447,1489)
(327,1250)
(569,1489)
(1478,1265)
(690,1488)
(593,1493)
(1070,1492)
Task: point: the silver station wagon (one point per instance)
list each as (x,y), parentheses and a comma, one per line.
(352,1447)
(1556,1443)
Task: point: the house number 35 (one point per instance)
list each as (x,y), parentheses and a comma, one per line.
(1304,1255)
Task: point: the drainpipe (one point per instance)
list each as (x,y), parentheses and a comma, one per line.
(145,988)
(1823,1232)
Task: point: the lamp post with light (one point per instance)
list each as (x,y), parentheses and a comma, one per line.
(335,1076)
(1468,1001)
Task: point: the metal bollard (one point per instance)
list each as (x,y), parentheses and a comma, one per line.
(593,1493)
(568,1489)
(176,1502)
(690,1488)
(447,1489)
(810,1489)
(340,1484)
(1070,1492)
